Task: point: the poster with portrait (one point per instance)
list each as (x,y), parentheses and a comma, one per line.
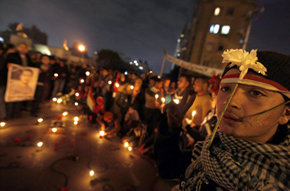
(21,83)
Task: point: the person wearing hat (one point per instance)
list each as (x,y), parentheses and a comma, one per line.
(250,149)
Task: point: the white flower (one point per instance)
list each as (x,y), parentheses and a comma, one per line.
(244,60)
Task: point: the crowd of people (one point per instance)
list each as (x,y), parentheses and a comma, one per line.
(123,104)
(166,120)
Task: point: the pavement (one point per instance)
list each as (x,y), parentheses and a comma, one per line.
(67,157)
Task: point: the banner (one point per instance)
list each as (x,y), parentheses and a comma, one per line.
(21,83)
(207,71)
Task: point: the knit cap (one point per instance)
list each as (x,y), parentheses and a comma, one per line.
(277,74)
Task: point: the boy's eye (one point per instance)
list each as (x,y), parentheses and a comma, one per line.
(256,93)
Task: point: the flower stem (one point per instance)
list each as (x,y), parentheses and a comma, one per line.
(221,116)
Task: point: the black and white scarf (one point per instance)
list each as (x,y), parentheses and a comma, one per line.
(235,164)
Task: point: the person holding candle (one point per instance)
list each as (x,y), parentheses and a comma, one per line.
(201,104)
(151,110)
(250,150)
(109,124)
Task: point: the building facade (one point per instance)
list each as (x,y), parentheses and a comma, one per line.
(218,25)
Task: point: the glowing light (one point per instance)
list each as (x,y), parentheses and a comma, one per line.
(65,113)
(163,99)
(77,94)
(156,96)
(225,29)
(54,99)
(126,73)
(39,144)
(141,67)
(54,129)
(136,62)
(102,133)
(132,87)
(110,82)
(217,11)
(126,144)
(214,28)
(40,120)
(88,73)
(117,84)
(82,81)
(76,118)
(193,113)
(55,75)
(176,101)
(92,173)
(59,100)
(76,103)
(129,148)
(76,122)
(81,47)
(2,124)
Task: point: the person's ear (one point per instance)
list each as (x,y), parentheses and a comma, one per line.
(285,117)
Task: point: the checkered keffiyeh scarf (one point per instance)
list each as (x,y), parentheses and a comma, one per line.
(235,164)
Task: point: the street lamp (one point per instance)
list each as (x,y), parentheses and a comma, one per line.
(81,48)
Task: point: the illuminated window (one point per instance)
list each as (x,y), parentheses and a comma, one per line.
(214,28)
(225,29)
(182,35)
(217,11)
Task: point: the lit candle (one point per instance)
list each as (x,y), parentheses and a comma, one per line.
(176,101)
(132,87)
(87,73)
(130,148)
(126,144)
(65,113)
(102,134)
(59,100)
(76,103)
(54,130)
(110,82)
(92,173)
(55,75)
(156,96)
(40,120)
(117,84)
(54,99)
(76,122)
(193,114)
(82,81)
(76,118)
(2,124)
(77,94)
(39,144)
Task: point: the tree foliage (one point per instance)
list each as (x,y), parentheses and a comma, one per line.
(33,32)
(111,60)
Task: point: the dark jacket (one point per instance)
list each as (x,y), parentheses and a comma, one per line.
(15,58)
(3,71)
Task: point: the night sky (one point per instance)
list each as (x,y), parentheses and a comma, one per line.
(135,28)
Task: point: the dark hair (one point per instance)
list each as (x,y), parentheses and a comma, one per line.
(185,77)
(204,79)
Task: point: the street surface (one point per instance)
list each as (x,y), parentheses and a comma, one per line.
(66,158)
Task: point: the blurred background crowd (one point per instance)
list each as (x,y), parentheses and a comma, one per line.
(162,119)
